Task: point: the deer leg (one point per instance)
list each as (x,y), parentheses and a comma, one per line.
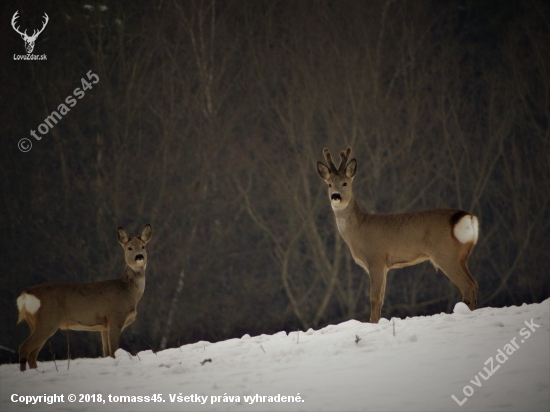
(377,290)
(33,356)
(471,297)
(457,271)
(114,337)
(29,349)
(105,342)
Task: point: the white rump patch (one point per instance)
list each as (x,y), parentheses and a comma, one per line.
(467,229)
(29,302)
(21,301)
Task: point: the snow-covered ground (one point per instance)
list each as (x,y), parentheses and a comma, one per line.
(489,359)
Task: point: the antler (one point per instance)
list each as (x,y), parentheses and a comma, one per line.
(329,161)
(344,156)
(15,16)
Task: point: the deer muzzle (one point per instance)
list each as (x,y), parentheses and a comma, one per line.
(336,198)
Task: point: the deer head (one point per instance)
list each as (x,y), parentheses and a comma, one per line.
(134,247)
(29,40)
(339,179)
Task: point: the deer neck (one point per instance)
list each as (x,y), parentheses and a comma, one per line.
(135,277)
(348,217)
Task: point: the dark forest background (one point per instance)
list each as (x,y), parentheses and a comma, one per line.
(207,122)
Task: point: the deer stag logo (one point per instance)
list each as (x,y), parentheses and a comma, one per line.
(29,40)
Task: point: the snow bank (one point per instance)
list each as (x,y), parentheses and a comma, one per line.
(488,359)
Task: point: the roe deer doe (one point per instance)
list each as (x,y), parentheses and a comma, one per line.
(379,242)
(107,306)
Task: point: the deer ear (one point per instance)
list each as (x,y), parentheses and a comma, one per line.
(323,170)
(122,236)
(146,233)
(351,168)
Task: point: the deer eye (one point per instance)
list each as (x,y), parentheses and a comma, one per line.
(143,247)
(345,184)
(329,185)
(129,248)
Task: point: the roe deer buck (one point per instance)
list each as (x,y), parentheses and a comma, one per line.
(379,242)
(107,306)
